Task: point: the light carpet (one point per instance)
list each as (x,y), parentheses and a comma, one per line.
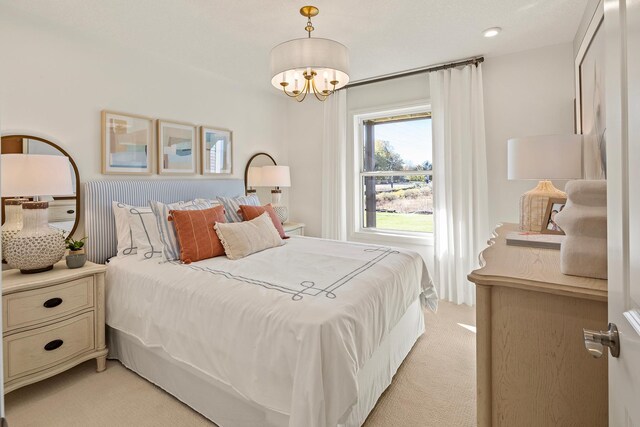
(435,386)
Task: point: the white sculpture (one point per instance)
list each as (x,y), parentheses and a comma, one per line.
(584,221)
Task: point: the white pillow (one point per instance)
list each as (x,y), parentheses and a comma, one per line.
(240,239)
(144,229)
(232,204)
(124,237)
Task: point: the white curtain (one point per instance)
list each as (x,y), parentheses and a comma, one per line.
(334,155)
(461,225)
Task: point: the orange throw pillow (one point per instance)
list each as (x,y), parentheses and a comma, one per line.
(251,212)
(196,236)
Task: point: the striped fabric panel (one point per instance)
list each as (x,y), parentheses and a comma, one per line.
(232,205)
(171,247)
(99,222)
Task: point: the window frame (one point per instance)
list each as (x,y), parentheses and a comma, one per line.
(357,231)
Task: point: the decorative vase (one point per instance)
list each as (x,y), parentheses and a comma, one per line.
(37,246)
(584,221)
(13,221)
(76,260)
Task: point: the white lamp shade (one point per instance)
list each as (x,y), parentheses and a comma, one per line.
(254,176)
(328,58)
(545,157)
(36,175)
(275,176)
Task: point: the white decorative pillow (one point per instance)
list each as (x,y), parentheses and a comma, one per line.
(144,229)
(166,230)
(245,238)
(232,204)
(124,236)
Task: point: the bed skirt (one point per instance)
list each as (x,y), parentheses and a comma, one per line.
(226,407)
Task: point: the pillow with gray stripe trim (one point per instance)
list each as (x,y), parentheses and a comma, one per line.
(124,236)
(166,230)
(232,205)
(145,232)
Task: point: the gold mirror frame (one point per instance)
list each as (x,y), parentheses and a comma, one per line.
(64,152)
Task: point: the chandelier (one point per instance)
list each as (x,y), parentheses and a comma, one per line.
(306,65)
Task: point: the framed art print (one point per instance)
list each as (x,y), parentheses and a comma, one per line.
(177,148)
(127,144)
(216,152)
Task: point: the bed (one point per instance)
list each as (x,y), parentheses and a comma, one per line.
(306,334)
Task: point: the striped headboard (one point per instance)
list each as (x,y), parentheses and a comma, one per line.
(99,221)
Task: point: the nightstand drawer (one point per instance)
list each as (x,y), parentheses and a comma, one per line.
(41,305)
(38,349)
(295,232)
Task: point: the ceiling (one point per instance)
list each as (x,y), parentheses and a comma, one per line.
(232,38)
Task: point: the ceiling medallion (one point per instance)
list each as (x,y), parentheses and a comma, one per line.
(309,65)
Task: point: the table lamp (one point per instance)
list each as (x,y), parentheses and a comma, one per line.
(36,247)
(277,176)
(254,176)
(542,158)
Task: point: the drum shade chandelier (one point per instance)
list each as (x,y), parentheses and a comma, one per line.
(306,65)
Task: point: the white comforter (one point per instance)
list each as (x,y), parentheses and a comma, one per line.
(288,328)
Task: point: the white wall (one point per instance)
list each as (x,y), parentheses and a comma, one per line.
(304,151)
(525,93)
(55,83)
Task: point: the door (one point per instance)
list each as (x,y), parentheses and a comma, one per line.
(622,24)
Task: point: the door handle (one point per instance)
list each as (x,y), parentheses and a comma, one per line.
(596,341)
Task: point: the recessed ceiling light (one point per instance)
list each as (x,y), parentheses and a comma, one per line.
(491,32)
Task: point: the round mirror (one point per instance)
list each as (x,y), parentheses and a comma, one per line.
(252,176)
(63,209)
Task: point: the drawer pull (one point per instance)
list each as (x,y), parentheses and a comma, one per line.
(50,346)
(70,211)
(53,302)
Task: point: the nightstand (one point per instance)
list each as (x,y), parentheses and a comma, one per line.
(51,322)
(293,228)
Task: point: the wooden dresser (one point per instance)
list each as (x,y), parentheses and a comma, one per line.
(51,322)
(532,367)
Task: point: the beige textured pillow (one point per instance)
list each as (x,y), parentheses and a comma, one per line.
(245,238)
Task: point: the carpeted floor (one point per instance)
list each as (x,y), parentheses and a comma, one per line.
(435,386)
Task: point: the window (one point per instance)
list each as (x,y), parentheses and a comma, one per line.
(396,173)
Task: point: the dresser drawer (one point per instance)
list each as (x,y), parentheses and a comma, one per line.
(38,349)
(40,305)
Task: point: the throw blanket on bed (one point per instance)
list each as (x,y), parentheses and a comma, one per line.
(288,328)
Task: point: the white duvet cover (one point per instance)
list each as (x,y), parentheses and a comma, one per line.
(288,328)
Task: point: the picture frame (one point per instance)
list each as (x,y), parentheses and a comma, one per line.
(177,148)
(554,205)
(589,107)
(127,144)
(216,151)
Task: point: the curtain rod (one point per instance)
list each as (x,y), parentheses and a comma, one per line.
(474,61)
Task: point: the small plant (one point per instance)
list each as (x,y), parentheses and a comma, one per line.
(75,245)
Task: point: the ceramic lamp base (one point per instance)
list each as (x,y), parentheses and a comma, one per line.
(13,221)
(533,205)
(282,212)
(37,246)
